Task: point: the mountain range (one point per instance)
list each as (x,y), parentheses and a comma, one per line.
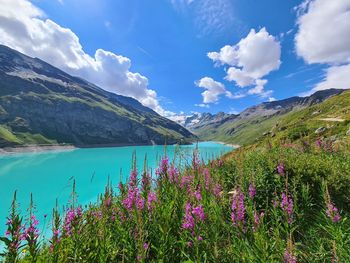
(253,122)
(40,104)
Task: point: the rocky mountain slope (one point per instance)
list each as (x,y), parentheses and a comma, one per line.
(40,104)
(254,121)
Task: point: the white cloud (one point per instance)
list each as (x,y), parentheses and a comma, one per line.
(336,77)
(323,37)
(256,55)
(202,105)
(241,78)
(24,27)
(252,58)
(259,89)
(213,90)
(324,30)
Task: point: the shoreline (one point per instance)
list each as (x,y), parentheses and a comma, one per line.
(35,149)
(58,147)
(61,147)
(229,144)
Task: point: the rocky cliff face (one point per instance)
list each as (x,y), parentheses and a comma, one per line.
(38,100)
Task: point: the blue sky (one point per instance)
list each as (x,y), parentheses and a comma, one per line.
(167,42)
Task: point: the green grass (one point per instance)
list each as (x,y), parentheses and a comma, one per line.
(30,139)
(250,130)
(125,226)
(7,137)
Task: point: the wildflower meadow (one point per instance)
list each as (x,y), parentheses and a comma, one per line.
(257,204)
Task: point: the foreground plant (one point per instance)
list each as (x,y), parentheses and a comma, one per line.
(14,234)
(251,207)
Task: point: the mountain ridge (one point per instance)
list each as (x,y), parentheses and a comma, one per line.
(225,127)
(41,104)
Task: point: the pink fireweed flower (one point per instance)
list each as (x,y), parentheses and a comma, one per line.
(196,161)
(196,194)
(207,178)
(192,216)
(133,178)
(257,219)
(173,174)
(252,190)
(217,190)
(145,246)
(163,168)
(287,206)
(151,200)
(56,232)
(199,212)
(145,182)
(108,202)
(188,220)
(32,232)
(281,169)
(238,208)
(71,218)
(332,212)
(318,143)
(289,257)
(133,199)
(186,180)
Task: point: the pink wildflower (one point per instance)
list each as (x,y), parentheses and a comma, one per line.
(151,199)
(188,221)
(281,169)
(164,166)
(257,219)
(238,208)
(207,178)
(252,190)
(199,212)
(288,257)
(217,190)
(287,206)
(332,212)
(196,194)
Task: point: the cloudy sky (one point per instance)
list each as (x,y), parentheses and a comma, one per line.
(183,56)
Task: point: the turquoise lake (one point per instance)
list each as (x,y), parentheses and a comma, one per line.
(50,175)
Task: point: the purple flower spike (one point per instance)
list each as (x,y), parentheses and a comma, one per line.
(281,169)
(252,190)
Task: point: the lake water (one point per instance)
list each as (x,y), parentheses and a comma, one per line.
(50,175)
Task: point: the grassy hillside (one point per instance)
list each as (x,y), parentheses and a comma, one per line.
(7,138)
(333,114)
